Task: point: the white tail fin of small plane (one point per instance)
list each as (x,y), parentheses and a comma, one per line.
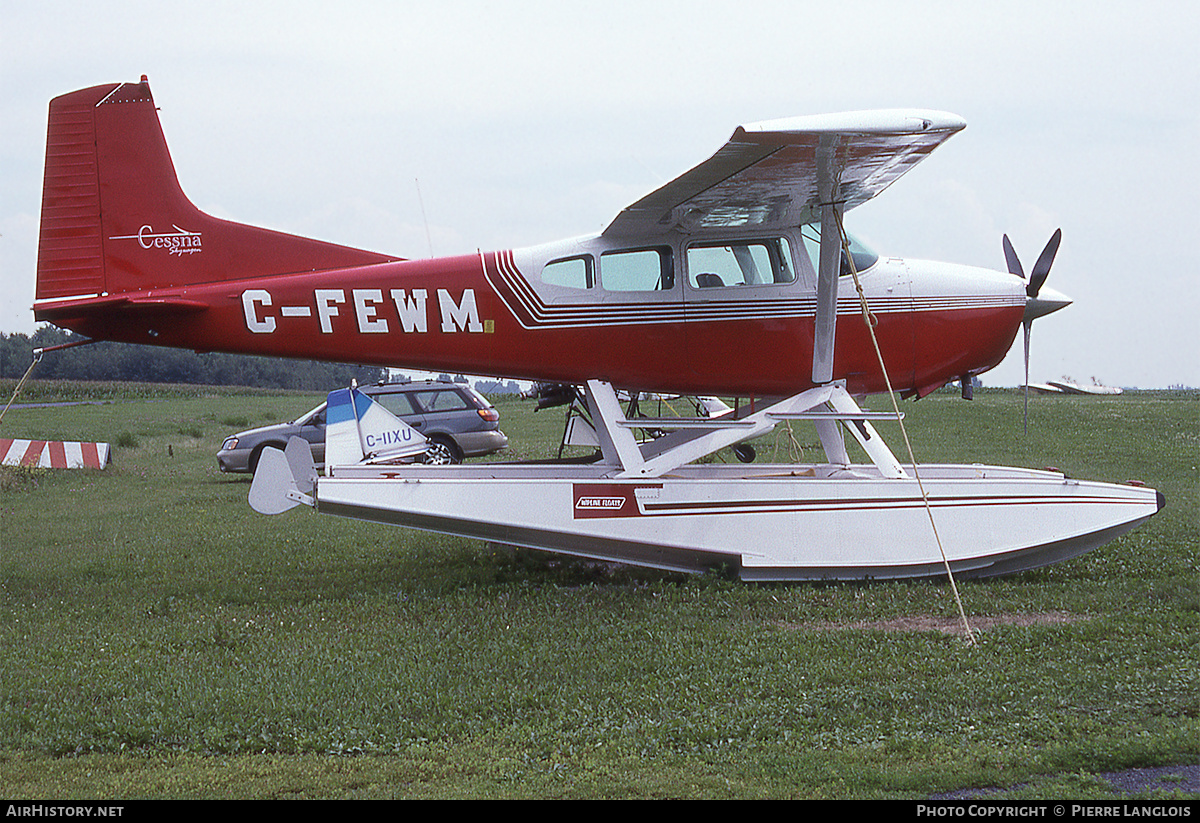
(358,429)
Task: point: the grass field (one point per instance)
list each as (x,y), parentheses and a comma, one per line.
(160,639)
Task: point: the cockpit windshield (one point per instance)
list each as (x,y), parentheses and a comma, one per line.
(864,256)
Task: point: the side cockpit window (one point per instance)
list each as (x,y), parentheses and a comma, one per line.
(864,257)
(741,263)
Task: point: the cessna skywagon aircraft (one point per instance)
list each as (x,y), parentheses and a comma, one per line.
(734,279)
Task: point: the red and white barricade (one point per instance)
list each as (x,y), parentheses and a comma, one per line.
(54,454)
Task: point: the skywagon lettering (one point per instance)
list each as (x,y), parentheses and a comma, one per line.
(406,309)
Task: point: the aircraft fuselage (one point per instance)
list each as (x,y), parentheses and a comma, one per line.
(643,317)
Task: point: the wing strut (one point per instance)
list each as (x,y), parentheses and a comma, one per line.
(828,187)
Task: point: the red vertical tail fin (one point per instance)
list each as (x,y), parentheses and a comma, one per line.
(115,220)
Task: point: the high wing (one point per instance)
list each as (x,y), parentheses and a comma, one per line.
(777,173)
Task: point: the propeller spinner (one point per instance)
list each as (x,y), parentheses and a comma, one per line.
(1039,301)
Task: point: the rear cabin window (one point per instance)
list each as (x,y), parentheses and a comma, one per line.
(439,400)
(637,270)
(573,273)
(749,263)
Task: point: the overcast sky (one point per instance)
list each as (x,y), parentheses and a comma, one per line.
(413,128)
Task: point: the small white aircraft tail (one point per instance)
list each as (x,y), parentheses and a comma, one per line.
(358,429)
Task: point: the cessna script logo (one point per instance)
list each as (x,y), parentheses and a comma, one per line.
(178,242)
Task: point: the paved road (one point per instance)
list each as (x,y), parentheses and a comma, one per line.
(64,403)
(1184,779)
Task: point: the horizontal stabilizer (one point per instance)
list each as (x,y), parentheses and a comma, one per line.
(62,311)
(358,429)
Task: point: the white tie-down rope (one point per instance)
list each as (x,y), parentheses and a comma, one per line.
(870,319)
(37,356)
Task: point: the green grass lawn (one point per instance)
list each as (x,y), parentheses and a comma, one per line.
(160,639)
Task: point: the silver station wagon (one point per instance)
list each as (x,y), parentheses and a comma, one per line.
(456,419)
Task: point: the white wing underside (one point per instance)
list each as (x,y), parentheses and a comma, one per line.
(778,173)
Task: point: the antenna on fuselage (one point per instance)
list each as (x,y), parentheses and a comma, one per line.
(421,200)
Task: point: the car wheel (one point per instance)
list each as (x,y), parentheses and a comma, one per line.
(257,454)
(441,452)
(252,463)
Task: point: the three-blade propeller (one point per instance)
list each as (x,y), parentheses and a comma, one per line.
(1038,301)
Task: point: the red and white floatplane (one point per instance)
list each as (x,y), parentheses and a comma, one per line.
(736,279)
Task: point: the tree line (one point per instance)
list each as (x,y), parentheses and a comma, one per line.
(128,362)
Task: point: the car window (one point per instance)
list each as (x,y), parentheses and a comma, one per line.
(475,397)
(398,403)
(436,400)
(316,417)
